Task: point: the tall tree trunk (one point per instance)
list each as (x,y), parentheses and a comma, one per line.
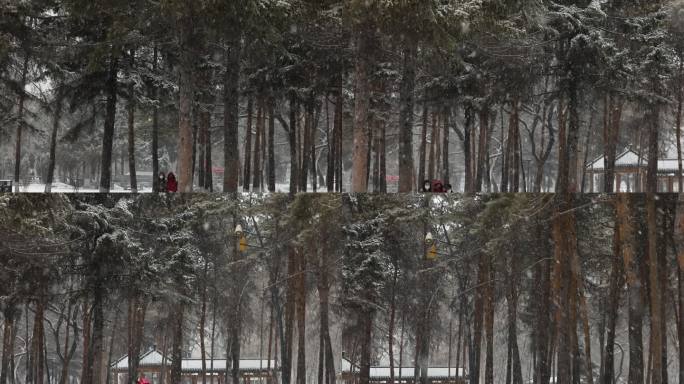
(467,151)
(137,309)
(482,147)
(654,290)
(202,323)
(257,145)
(9,334)
(155,130)
(271,145)
(37,340)
(231,154)
(131,131)
(288,339)
(305,147)
(512,301)
(366,319)
(362,71)
(612,111)
(679,246)
(301,317)
(326,363)
(433,139)
(628,247)
(514,139)
(331,146)
(177,343)
(96,349)
(383,157)
(407,87)
(392,315)
(616,282)
(20,119)
(339,115)
(652,225)
(247,163)
(294,162)
(489,322)
(678,130)
(86,373)
(423,146)
(186,90)
(476,349)
(565,247)
(56,118)
(445,148)
(110,119)
(315,114)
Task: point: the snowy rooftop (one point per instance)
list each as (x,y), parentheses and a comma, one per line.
(406,372)
(630,159)
(154,358)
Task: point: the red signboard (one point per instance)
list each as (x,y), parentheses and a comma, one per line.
(392,178)
(217,170)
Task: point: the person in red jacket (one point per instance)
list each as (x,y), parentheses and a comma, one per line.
(143,379)
(171,183)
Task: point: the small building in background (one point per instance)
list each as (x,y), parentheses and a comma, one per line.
(349,374)
(153,362)
(630,173)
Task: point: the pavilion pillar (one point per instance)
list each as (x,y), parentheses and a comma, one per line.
(618,181)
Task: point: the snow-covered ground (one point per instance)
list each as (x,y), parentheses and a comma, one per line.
(66,188)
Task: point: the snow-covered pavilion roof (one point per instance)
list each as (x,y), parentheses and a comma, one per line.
(153,358)
(627,158)
(407,372)
(630,159)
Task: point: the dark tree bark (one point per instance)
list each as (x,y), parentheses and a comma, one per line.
(288,339)
(616,283)
(362,70)
(186,90)
(407,87)
(468,150)
(445,148)
(301,317)
(624,211)
(155,130)
(137,308)
(10,315)
(366,319)
(231,153)
(332,148)
(177,343)
(247,163)
(110,118)
(20,119)
(431,153)
(131,131)
(257,145)
(294,162)
(679,246)
(56,118)
(423,147)
(512,301)
(475,351)
(489,321)
(271,146)
(612,112)
(339,115)
(482,147)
